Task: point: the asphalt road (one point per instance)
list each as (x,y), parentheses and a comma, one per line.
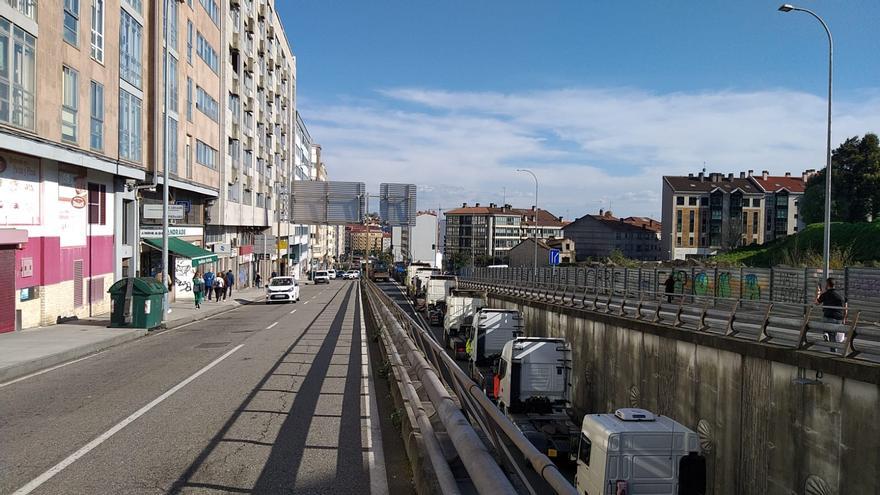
(261,399)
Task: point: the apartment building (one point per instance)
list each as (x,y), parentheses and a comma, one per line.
(423,242)
(322,237)
(783,195)
(68,158)
(704,214)
(481,231)
(258,98)
(364,240)
(598,236)
(548,225)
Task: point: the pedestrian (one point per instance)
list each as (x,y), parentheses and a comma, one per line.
(669,288)
(257,280)
(273,275)
(218,288)
(198,289)
(230,282)
(209,283)
(833,310)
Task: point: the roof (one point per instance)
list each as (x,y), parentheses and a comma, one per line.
(709,183)
(624,224)
(778,183)
(545,218)
(531,240)
(185,249)
(480,210)
(643,222)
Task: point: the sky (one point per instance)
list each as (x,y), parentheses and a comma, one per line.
(599,99)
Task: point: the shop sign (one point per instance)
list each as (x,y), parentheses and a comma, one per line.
(221,249)
(153,233)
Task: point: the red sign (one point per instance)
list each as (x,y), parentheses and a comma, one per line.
(245,249)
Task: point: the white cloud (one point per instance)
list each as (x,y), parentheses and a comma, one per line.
(588,146)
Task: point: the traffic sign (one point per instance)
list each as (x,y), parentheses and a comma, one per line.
(555,257)
(154,212)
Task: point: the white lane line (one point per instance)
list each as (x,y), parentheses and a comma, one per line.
(272,325)
(292,312)
(375,454)
(39,480)
(53,368)
(305,303)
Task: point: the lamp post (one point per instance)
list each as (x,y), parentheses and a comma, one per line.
(826,244)
(536,216)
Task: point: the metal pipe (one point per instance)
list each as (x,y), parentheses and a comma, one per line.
(444,475)
(164,125)
(478,461)
(536,214)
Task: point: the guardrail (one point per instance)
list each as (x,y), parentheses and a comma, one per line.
(792,325)
(527,468)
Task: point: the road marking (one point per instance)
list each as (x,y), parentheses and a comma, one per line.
(305,302)
(292,312)
(375,455)
(272,325)
(39,480)
(53,368)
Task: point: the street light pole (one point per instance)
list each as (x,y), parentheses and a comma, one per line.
(536,217)
(165,271)
(826,241)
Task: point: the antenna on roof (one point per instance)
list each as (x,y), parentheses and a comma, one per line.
(704,166)
(504,195)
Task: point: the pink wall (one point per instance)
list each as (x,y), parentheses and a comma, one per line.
(54,264)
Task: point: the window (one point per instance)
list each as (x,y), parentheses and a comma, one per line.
(212,10)
(207,53)
(678,219)
(130,145)
(692,201)
(679,200)
(26,7)
(172,23)
(172,83)
(207,105)
(755,221)
(756,203)
(97,123)
(677,241)
(137,5)
(130,47)
(205,155)
(71,21)
(17,75)
(98,30)
(232,192)
(691,221)
(189,99)
(189,41)
(97,204)
(171,144)
(69,104)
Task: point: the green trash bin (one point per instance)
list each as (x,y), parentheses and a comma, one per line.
(145,307)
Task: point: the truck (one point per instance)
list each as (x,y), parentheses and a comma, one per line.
(634,451)
(461,306)
(491,329)
(411,269)
(438,288)
(379,272)
(419,282)
(533,389)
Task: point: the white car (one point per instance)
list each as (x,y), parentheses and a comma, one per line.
(282,289)
(346,275)
(332,273)
(353,274)
(321,277)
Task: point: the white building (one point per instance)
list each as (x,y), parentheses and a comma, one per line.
(423,240)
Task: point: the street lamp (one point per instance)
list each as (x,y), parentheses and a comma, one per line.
(536,216)
(826,244)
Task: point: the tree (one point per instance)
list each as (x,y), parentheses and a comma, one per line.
(458,260)
(855,183)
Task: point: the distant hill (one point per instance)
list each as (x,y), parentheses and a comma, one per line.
(851,243)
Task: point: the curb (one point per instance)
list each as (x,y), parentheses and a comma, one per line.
(23,369)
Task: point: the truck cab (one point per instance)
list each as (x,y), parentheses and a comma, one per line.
(634,451)
(491,328)
(461,307)
(411,273)
(533,387)
(438,287)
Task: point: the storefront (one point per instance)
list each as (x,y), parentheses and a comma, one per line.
(185,259)
(10,240)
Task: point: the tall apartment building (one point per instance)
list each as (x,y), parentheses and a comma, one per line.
(363,240)
(258,100)
(322,237)
(423,240)
(73,123)
(548,225)
(705,214)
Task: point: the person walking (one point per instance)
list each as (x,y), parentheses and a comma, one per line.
(209,283)
(669,288)
(198,289)
(257,280)
(230,282)
(218,288)
(833,310)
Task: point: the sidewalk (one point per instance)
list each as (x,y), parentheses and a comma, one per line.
(35,349)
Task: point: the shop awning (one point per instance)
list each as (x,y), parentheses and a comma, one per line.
(185,249)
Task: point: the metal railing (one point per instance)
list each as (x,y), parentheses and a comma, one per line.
(527,468)
(791,325)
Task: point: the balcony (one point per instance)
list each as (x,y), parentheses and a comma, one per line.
(235,41)
(236,84)
(236,130)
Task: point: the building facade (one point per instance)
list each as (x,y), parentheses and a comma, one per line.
(598,236)
(705,214)
(364,240)
(423,239)
(783,195)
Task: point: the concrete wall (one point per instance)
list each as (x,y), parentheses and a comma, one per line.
(764,433)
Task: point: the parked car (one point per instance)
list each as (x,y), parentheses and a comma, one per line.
(332,273)
(321,277)
(353,274)
(282,289)
(346,275)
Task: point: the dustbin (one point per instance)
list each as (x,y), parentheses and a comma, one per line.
(146,302)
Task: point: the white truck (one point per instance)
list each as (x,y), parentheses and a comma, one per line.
(533,388)
(411,273)
(420,281)
(438,288)
(491,329)
(635,452)
(461,306)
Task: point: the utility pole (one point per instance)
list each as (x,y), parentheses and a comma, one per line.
(165,272)
(536,216)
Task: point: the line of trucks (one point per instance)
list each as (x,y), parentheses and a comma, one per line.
(629,452)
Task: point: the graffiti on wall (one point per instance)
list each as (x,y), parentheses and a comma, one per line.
(751,287)
(681,281)
(701,284)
